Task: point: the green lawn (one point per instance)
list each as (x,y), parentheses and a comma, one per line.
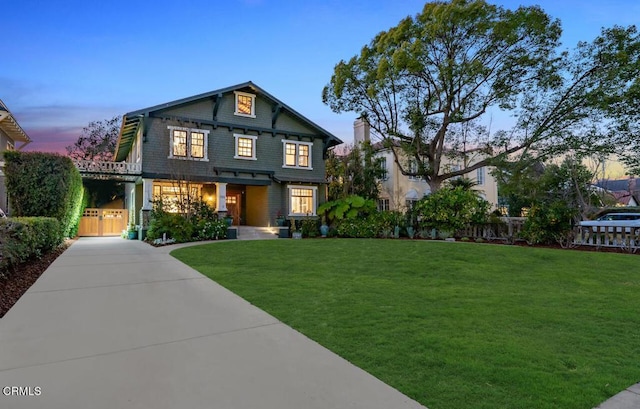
(452,325)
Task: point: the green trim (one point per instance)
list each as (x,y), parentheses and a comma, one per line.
(243,128)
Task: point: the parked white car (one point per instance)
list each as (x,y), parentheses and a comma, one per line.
(618,221)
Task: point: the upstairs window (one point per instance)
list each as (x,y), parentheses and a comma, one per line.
(245,147)
(245,104)
(413,168)
(480,176)
(179,143)
(197,145)
(190,144)
(384,172)
(297,155)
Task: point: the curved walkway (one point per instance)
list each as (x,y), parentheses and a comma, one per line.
(120,324)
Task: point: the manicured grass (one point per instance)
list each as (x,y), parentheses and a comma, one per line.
(452,325)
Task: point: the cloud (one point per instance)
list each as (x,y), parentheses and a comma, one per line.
(54,139)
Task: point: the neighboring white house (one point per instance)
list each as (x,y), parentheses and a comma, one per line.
(11,133)
(398,191)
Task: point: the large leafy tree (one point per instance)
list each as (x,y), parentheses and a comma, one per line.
(97,141)
(356,172)
(430,87)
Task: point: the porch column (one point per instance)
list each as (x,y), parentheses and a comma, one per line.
(221,197)
(147,194)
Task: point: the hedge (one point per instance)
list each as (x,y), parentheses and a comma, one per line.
(44,184)
(23,238)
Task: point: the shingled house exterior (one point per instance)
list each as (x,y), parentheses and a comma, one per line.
(240,149)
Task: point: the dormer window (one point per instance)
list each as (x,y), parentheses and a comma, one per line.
(245,104)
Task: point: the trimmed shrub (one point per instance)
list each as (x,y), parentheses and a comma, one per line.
(24,238)
(44,184)
(451,208)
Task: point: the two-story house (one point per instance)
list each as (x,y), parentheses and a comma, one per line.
(240,149)
(11,133)
(398,191)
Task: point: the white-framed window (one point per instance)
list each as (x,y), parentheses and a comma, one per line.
(176,196)
(245,146)
(245,104)
(413,168)
(186,143)
(297,155)
(480,176)
(384,169)
(302,200)
(383,205)
(455,168)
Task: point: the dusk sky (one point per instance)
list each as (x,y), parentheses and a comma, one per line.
(66,63)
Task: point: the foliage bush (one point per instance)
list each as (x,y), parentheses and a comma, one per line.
(349,208)
(549,223)
(201,223)
(451,209)
(310,227)
(365,228)
(24,238)
(44,184)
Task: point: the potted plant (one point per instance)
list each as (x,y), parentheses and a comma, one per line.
(295,233)
(132,233)
(279,218)
(324,228)
(229,220)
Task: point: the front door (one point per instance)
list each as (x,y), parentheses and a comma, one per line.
(234,205)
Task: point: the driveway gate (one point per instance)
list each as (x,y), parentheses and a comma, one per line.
(103,222)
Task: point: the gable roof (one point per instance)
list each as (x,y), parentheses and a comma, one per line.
(11,127)
(132,121)
(614,185)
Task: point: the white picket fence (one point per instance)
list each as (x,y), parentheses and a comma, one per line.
(627,238)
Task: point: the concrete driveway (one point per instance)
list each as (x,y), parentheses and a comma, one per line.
(119,324)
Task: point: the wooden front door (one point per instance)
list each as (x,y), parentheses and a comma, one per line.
(234,205)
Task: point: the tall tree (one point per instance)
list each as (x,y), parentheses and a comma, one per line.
(97,141)
(430,86)
(357,172)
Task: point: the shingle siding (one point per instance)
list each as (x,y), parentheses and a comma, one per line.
(221,164)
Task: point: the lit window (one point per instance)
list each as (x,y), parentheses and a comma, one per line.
(179,143)
(188,143)
(245,104)
(302,200)
(245,147)
(10,146)
(176,197)
(197,145)
(297,155)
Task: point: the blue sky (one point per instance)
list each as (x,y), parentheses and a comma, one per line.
(66,63)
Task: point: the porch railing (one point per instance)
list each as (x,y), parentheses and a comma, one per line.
(112,168)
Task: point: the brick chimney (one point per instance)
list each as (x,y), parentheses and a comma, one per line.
(361,131)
